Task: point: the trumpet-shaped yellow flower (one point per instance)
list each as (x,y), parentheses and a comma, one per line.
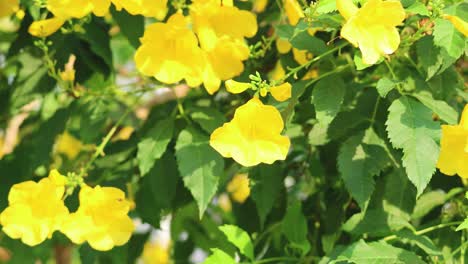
(459,24)
(68,145)
(253,136)
(372,28)
(8,7)
(148,8)
(221,29)
(170,52)
(293,11)
(281,92)
(78,8)
(101,218)
(453,157)
(155,253)
(35,209)
(239,188)
(46,27)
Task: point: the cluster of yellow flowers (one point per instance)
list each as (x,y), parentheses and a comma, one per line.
(68,9)
(37,209)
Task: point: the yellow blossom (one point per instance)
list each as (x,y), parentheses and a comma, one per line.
(78,8)
(170,52)
(155,253)
(253,135)
(124,134)
(458,23)
(239,188)
(35,210)
(372,28)
(283,46)
(148,8)
(8,7)
(236,87)
(259,5)
(278,72)
(46,27)
(281,92)
(224,202)
(293,11)
(302,56)
(453,157)
(101,218)
(221,29)
(68,145)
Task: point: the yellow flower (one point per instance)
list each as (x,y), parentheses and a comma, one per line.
(453,157)
(253,135)
(46,27)
(101,218)
(68,145)
(236,87)
(78,8)
(259,5)
(221,29)
(302,56)
(124,134)
(372,28)
(278,72)
(35,210)
(8,7)
(239,188)
(148,8)
(293,11)
(459,24)
(154,253)
(170,52)
(281,92)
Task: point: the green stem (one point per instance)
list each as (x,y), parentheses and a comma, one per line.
(376,107)
(269,260)
(336,70)
(295,70)
(425,230)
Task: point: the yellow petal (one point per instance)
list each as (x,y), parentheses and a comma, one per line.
(293,11)
(283,45)
(259,5)
(459,24)
(453,157)
(281,92)
(236,87)
(346,8)
(464,118)
(47,27)
(239,188)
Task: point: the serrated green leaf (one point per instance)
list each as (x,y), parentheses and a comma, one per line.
(447,37)
(267,183)
(199,165)
(376,252)
(327,97)
(294,227)
(429,56)
(399,197)
(384,86)
(208,118)
(304,41)
(410,127)
(418,8)
(325,6)
(441,108)
(360,158)
(318,135)
(154,144)
(219,257)
(240,239)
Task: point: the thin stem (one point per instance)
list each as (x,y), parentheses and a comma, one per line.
(276,259)
(295,70)
(425,230)
(376,107)
(393,76)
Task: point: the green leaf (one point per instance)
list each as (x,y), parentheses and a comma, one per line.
(219,257)
(327,97)
(376,252)
(429,56)
(157,189)
(427,202)
(325,6)
(240,239)
(294,227)
(360,158)
(410,127)
(447,37)
(208,118)
(441,108)
(418,8)
(423,242)
(304,41)
(318,135)
(399,197)
(463,225)
(154,144)
(200,166)
(384,86)
(96,34)
(267,183)
(131,26)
